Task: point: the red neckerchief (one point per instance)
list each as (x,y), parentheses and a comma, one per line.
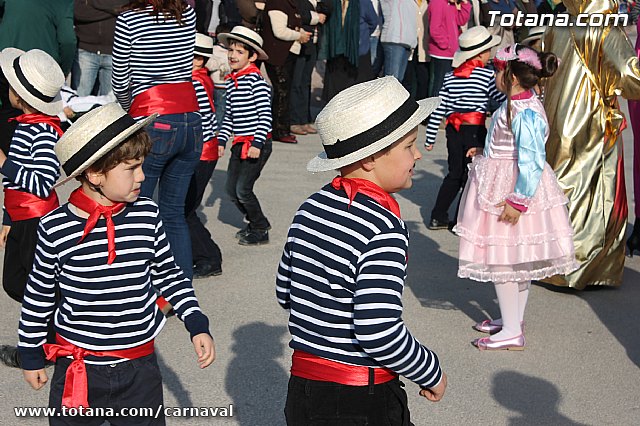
(85,203)
(467,68)
(39,118)
(523,95)
(354,185)
(251,69)
(202,76)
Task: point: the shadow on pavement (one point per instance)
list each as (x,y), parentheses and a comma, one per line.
(172,382)
(255,380)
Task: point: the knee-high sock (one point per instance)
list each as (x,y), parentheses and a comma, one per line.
(523,295)
(508,295)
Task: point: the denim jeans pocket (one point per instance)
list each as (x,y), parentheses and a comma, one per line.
(198,139)
(163,137)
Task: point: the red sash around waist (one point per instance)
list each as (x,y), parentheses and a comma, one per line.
(210,150)
(458,118)
(308,366)
(173,98)
(75,385)
(246,141)
(23,205)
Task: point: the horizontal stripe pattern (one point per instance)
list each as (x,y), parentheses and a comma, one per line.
(209,122)
(248,109)
(463,95)
(341,277)
(149,51)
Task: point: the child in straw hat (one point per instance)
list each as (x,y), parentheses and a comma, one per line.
(31,167)
(342,271)
(465,97)
(105,252)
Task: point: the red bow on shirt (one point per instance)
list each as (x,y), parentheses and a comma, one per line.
(467,68)
(354,185)
(251,69)
(39,118)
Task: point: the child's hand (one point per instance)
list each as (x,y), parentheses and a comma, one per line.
(36,378)
(253,152)
(472,152)
(220,151)
(509,214)
(428,146)
(436,393)
(4,233)
(205,349)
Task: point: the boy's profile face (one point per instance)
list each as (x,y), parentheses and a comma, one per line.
(239,57)
(394,168)
(122,183)
(14,99)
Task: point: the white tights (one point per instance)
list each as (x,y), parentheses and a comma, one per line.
(512,299)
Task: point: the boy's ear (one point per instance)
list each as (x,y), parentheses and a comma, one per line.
(254,57)
(368,163)
(94,178)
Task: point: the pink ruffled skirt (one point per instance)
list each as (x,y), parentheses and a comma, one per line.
(538,246)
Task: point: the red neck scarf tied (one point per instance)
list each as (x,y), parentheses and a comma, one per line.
(39,118)
(85,203)
(354,185)
(467,68)
(251,69)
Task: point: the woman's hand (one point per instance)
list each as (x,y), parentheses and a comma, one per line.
(509,214)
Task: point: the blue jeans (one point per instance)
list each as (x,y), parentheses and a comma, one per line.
(177,145)
(301,85)
(87,67)
(396,57)
(377,55)
(219,96)
(437,69)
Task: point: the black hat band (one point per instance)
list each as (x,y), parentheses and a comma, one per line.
(203,50)
(28,86)
(476,46)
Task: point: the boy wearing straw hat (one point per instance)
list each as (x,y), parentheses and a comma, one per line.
(465,97)
(343,267)
(31,167)
(207,258)
(105,252)
(248,117)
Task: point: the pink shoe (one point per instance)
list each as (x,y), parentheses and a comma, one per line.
(513,344)
(487,326)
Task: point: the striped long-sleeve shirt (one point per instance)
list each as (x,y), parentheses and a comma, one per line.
(341,277)
(460,94)
(248,109)
(209,122)
(103,307)
(150,50)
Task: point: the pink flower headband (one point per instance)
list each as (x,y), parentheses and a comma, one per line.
(525,55)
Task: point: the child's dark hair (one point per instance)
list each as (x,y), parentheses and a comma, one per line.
(245,46)
(135,147)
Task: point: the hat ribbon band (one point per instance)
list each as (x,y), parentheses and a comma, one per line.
(97,142)
(475,46)
(205,50)
(28,86)
(355,143)
(241,37)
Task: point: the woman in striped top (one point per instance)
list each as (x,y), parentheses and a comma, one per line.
(152,61)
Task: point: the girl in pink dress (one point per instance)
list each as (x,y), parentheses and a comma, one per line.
(513,221)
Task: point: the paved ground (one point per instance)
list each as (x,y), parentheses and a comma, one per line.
(580,367)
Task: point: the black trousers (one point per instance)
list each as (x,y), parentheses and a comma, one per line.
(203,248)
(281,77)
(458,143)
(18,256)
(311,402)
(241,177)
(416,78)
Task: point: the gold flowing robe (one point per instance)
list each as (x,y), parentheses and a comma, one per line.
(585,142)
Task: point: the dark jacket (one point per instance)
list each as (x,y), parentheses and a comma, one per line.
(95,24)
(277,49)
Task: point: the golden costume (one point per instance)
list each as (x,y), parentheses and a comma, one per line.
(585,143)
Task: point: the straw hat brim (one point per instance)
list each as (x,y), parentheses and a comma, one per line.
(225,37)
(463,55)
(532,37)
(114,142)
(323,164)
(6,63)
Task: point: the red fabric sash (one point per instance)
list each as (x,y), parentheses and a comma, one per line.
(246,144)
(251,69)
(202,76)
(85,203)
(313,367)
(23,205)
(173,98)
(354,185)
(210,150)
(456,119)
(39,118)
(75,392)
(467,68)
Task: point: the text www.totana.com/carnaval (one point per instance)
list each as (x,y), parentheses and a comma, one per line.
(226,411)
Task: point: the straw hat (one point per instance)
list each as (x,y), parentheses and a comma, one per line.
(246,36)
(35,76)
(93,135)
(472,42)
(204,45)
(535,33)
(364,119)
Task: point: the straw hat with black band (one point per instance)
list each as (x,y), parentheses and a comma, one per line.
(364,119)
(35,76)
(247,36)
(473,42)
(93,135)
(204,45)
(535,33)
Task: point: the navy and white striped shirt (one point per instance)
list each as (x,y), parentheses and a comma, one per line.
(103,307)
(209,122)
(248,109)
(341,277)
(461,94)
(150,50)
